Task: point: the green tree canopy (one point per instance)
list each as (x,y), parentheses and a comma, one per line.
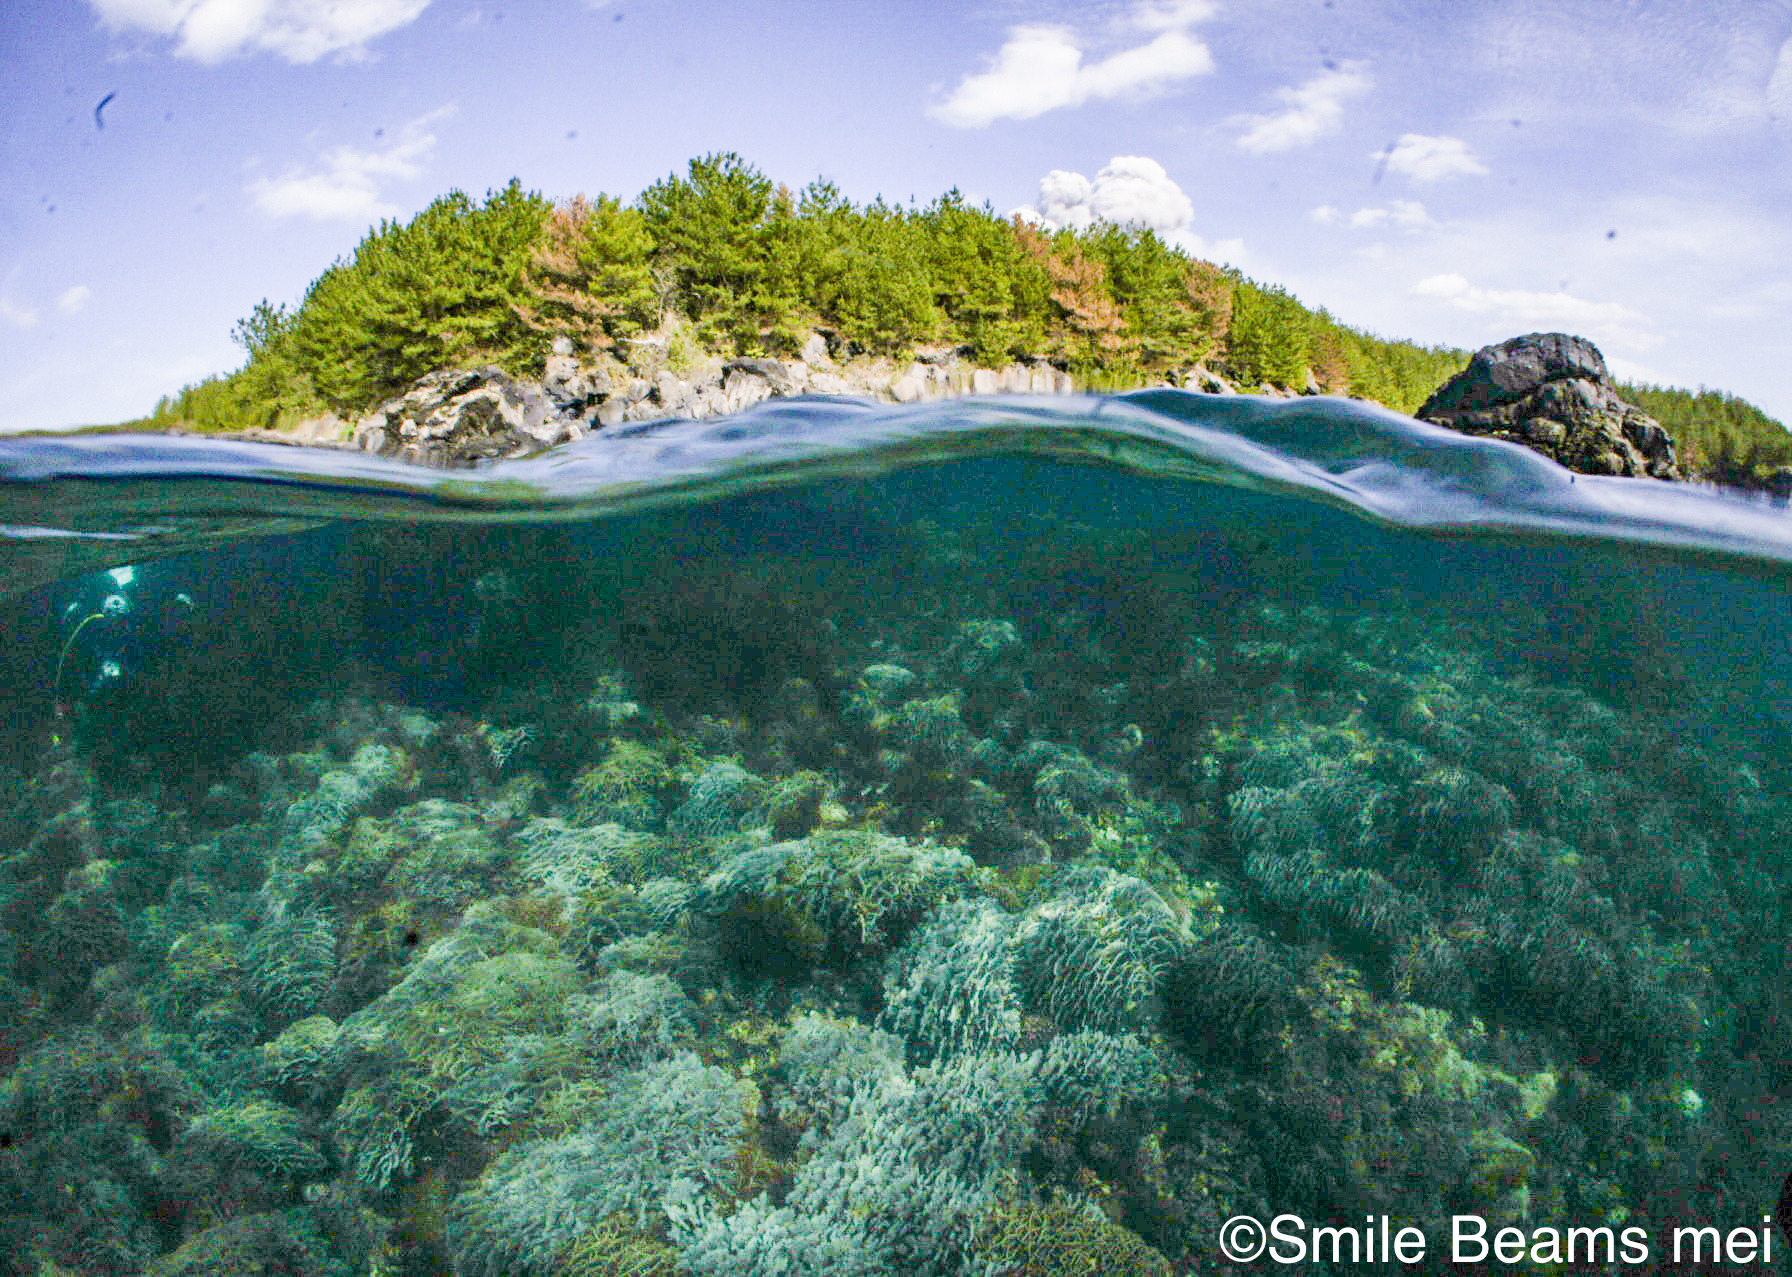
(1269,337)
(744,263)
(441,289)
(991,289)
(712,231)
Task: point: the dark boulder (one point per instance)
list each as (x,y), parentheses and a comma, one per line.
(772,371)
(1552,393)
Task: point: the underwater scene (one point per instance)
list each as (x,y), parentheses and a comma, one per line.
(1131,835)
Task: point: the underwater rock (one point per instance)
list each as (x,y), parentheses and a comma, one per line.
(1552,393)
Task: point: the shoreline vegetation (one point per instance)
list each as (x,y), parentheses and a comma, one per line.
(724,262)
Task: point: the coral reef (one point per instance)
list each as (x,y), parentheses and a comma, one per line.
(1026,893)
(662,1136)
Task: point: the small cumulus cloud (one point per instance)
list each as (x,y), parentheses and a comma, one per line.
(1406,215)
(1430,159)
(1131,190)
(16,315)
(1779,86)
(1042,68)
(346,185)
(1518,308)
(74,300)
(296,30)
(1314,110)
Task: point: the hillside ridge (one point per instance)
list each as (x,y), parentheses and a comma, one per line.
(721,263)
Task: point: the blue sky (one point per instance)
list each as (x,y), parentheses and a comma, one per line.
(1450,172)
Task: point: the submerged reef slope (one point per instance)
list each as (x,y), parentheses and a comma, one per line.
(874,880)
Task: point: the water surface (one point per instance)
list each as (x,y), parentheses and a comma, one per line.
(858,839)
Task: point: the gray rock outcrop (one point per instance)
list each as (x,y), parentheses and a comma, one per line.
(461,416)
(467,416)
(571,385)
(1552,393)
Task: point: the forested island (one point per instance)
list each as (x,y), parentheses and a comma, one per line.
(724,261)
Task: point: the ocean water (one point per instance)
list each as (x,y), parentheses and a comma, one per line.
(991,837)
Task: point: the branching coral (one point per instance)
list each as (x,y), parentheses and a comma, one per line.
(899,1186)
(455,1012)
(667,1131)
(1090,1074)
(724,798)
(628,1017)
(290,1241)
(305,1061)
(244,1157)
(432,852)
(290,964)
(1092,957)
(1062,1240)
(951,989)
(843,895)
(630,787)
(823,1063)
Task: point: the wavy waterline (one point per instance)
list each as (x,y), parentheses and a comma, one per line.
(161,494)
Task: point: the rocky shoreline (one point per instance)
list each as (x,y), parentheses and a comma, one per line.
(464,416)
(1550,392)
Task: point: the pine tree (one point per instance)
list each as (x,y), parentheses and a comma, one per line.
(714,232)
(1268,339)
(442,289)
(1148,279)
(994,294)
(591,275)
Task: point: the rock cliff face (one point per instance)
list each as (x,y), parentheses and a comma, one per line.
(464,416)
(1551,392)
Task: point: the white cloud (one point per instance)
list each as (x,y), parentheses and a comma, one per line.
(1519,309)
(1406,215)
(1779,86)
(1131,190)
(1315,110)
(1173,16)
(16,315)
(1430,159)
(1135,191)
(1035,72)
(1041,68)
(1227,252)
(346,187)
(297,30)
(1063,201)
(73,301)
